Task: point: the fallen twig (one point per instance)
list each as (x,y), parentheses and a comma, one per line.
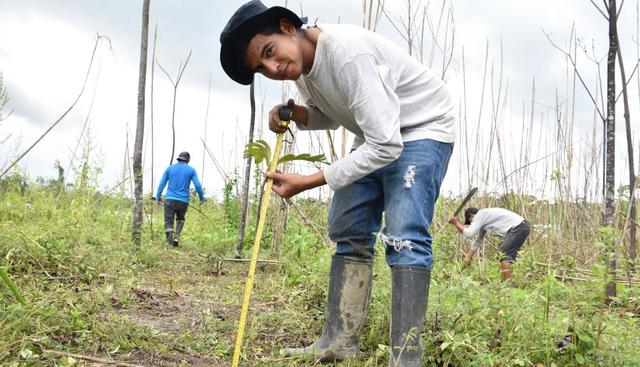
(92,359)
(270,262)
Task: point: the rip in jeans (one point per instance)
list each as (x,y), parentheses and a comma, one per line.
(409,176)
(397,244)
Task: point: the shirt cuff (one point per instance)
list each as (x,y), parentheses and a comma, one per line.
(332,180)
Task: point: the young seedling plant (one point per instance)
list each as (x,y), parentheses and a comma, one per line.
(261,152)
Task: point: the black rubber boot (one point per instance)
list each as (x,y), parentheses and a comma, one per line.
(176,237)
(169,235)
(348,301)
(409,298)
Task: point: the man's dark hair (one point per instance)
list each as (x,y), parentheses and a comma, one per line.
(271,29)
(468,213)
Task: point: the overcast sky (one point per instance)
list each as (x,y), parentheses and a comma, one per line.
(45,47)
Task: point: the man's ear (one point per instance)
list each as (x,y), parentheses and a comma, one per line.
(287,27)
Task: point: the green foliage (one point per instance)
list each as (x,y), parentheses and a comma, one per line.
(302,157)
(261,151)
(8,283)
(4,99)
(15,182)
(90,293)
(231,203)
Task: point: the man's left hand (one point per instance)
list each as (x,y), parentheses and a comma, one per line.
(453,220)
(287,184)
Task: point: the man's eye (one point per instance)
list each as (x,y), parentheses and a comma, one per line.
(269,51)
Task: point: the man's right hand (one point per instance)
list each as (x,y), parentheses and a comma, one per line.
(159,201)
(467,259)
(274,118)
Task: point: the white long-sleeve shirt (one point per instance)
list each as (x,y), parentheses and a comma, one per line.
(497,221)
(377,91)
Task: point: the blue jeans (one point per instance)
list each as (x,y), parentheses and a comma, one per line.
(406,191)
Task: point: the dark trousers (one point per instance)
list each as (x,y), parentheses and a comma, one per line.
(514,240)
(173,210)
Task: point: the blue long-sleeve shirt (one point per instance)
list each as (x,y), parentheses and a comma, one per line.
(179,176)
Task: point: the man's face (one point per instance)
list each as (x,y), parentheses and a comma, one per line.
(277,56)
(471,217)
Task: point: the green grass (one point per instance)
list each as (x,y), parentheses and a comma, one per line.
(88,292)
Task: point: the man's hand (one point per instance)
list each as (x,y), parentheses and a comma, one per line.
(275,124)
(287,184)
(454,222)
(467,262)
(299,114)
(159,201)
(467,258)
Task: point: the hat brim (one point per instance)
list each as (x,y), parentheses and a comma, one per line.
(232,48)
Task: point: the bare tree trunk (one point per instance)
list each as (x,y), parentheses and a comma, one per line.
(610,139)
(247,176)
(153,74)
(136,232)
(632,174)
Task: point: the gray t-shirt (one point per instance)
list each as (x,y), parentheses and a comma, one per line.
(497,221)
(377,91)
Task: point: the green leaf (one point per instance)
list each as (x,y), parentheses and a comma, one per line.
(580,358)
(7,281)
(585,337)
(259,150)
(444,345)
(302,157)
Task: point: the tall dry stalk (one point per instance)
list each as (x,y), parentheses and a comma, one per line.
(610,137)
(206,123)
(247,175)
(82,131)
(136,231)
(631,215)
(181,69)
(151,115)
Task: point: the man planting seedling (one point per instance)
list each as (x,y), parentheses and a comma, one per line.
(402,116)
(179,177)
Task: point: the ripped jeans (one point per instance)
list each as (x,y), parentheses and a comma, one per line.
(406,191)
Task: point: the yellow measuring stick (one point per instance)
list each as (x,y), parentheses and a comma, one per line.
(256,243)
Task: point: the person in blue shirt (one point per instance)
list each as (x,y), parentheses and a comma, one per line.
(179,177)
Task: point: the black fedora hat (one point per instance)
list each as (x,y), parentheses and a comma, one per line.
(249,19)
